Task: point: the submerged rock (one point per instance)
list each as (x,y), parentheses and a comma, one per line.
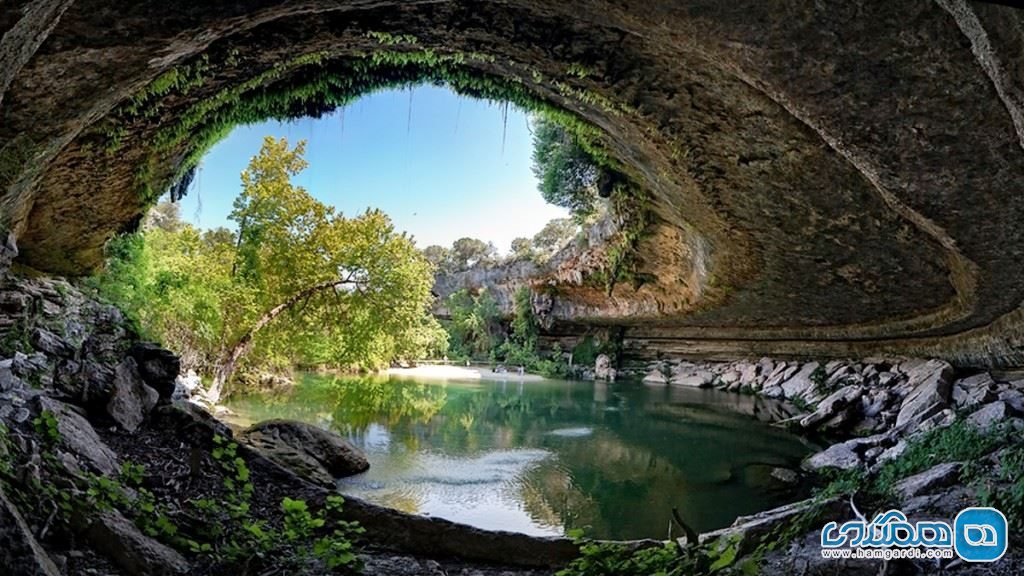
(311,452)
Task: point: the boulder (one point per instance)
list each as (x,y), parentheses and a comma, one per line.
(875,401)
(138,554)
(990,415)
(311,452)
(20,553)
(8,381)
(49,343)
(893,452)
(936,477)
(974,390)
(655,376)
(190,422)
(836,409)
(781,373)
(603,368)
(78,437)
(699,379)
(800,384)
(929,392)
(747,532)
(730,377)
(132,400)
(1014,398)
(840,456)
(938,420)
(158,367)
(886,378)
(749,375)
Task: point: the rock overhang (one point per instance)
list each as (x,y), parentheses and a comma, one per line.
(824,178)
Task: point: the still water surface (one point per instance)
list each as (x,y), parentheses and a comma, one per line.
(545,457)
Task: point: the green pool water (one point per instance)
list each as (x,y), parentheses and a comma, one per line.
(545,457)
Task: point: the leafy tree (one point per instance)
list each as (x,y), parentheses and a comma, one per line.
(553,236)
(440,257)
(522,249)
(474,326)
(296,256)
(567,174)
(298,284)
(469,252)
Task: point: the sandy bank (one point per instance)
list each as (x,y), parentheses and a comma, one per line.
(463,373)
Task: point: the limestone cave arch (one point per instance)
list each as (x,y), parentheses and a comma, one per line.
(823,178)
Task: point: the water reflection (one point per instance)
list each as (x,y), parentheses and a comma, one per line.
(548,456)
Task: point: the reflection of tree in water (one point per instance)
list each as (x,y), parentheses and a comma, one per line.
(644,453)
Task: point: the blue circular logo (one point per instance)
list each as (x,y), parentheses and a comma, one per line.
(980,534)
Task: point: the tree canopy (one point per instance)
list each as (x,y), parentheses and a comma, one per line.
(567,174)
(297,284)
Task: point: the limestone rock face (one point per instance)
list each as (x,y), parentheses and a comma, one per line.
(313,453)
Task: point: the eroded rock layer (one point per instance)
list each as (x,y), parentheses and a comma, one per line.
(825,178)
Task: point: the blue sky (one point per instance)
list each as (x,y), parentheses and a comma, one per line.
(438,168)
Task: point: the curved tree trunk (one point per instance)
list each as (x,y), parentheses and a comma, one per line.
(227,366)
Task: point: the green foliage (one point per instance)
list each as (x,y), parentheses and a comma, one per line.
(132,473)
(474,326)
(204,293)
(669,559)
(958,442)
(1005,490)
(388,39)
(234,535)
(521,249)
(585,352)
(469,253)
(46,426)
(6,457)
(567,174)
(611,559)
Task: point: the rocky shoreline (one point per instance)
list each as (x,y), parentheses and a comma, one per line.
(83,401)
(878,411)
